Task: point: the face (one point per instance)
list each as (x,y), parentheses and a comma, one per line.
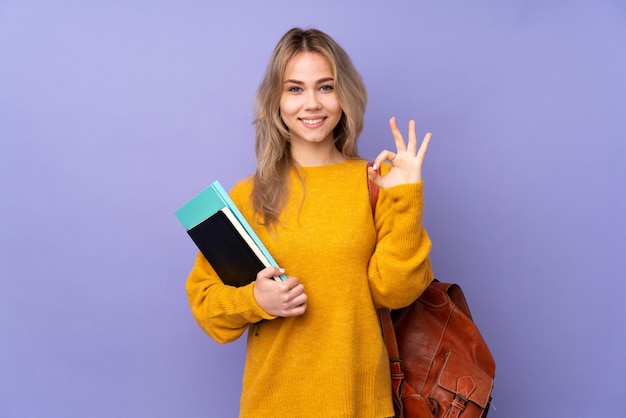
(308,105)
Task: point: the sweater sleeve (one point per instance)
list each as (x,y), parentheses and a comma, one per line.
(400,270)
(223,312)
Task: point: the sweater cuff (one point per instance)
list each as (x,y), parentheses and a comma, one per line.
(256,313)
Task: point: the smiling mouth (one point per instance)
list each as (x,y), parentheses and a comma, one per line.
(312,121)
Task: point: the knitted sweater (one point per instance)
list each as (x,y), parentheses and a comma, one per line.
(332,358)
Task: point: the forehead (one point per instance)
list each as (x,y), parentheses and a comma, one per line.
(308,65)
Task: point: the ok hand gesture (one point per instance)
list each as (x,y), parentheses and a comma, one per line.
(406,162)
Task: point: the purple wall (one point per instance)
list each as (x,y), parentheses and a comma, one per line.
(113,115)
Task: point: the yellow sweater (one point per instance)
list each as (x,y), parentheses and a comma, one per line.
(331,361)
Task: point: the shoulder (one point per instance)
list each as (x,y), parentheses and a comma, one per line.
(241,192)
(245,184)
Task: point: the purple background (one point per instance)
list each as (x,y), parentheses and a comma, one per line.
(114,113)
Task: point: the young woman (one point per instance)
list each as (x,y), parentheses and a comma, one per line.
(314,344)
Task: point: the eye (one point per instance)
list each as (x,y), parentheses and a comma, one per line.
(326,87)
(294,89)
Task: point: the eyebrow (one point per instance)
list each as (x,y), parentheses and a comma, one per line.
(320,81)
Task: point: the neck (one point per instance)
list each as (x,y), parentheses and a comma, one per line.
(306,155)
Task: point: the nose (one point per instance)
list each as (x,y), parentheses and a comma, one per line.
(312,101)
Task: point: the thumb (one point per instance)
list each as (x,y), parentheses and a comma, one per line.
(270,273)
(373,174)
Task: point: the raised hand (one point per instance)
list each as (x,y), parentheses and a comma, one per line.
(406,162)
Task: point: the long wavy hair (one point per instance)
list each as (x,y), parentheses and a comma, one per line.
(272,146)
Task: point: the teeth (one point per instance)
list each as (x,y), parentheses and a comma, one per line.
(312,121)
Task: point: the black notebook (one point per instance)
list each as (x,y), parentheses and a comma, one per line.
(222,243)
(224,236)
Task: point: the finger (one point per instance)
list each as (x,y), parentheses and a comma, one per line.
(384,155)
(373,169)
(297,311)
(296,291)
(290,284)
(296,303)
(373,173)
(299,300)
(397,135)
(421,154)
(412,145)
(270,273)
(374,176)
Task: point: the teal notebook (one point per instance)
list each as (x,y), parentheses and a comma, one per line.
(224,236)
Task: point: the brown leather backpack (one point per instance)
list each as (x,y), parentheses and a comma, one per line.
(440,365)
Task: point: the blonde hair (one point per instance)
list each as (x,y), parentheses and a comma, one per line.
(273,153)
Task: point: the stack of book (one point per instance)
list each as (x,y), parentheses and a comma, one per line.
(224,237)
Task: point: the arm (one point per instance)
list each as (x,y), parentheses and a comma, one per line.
(223,312)
(400,267)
